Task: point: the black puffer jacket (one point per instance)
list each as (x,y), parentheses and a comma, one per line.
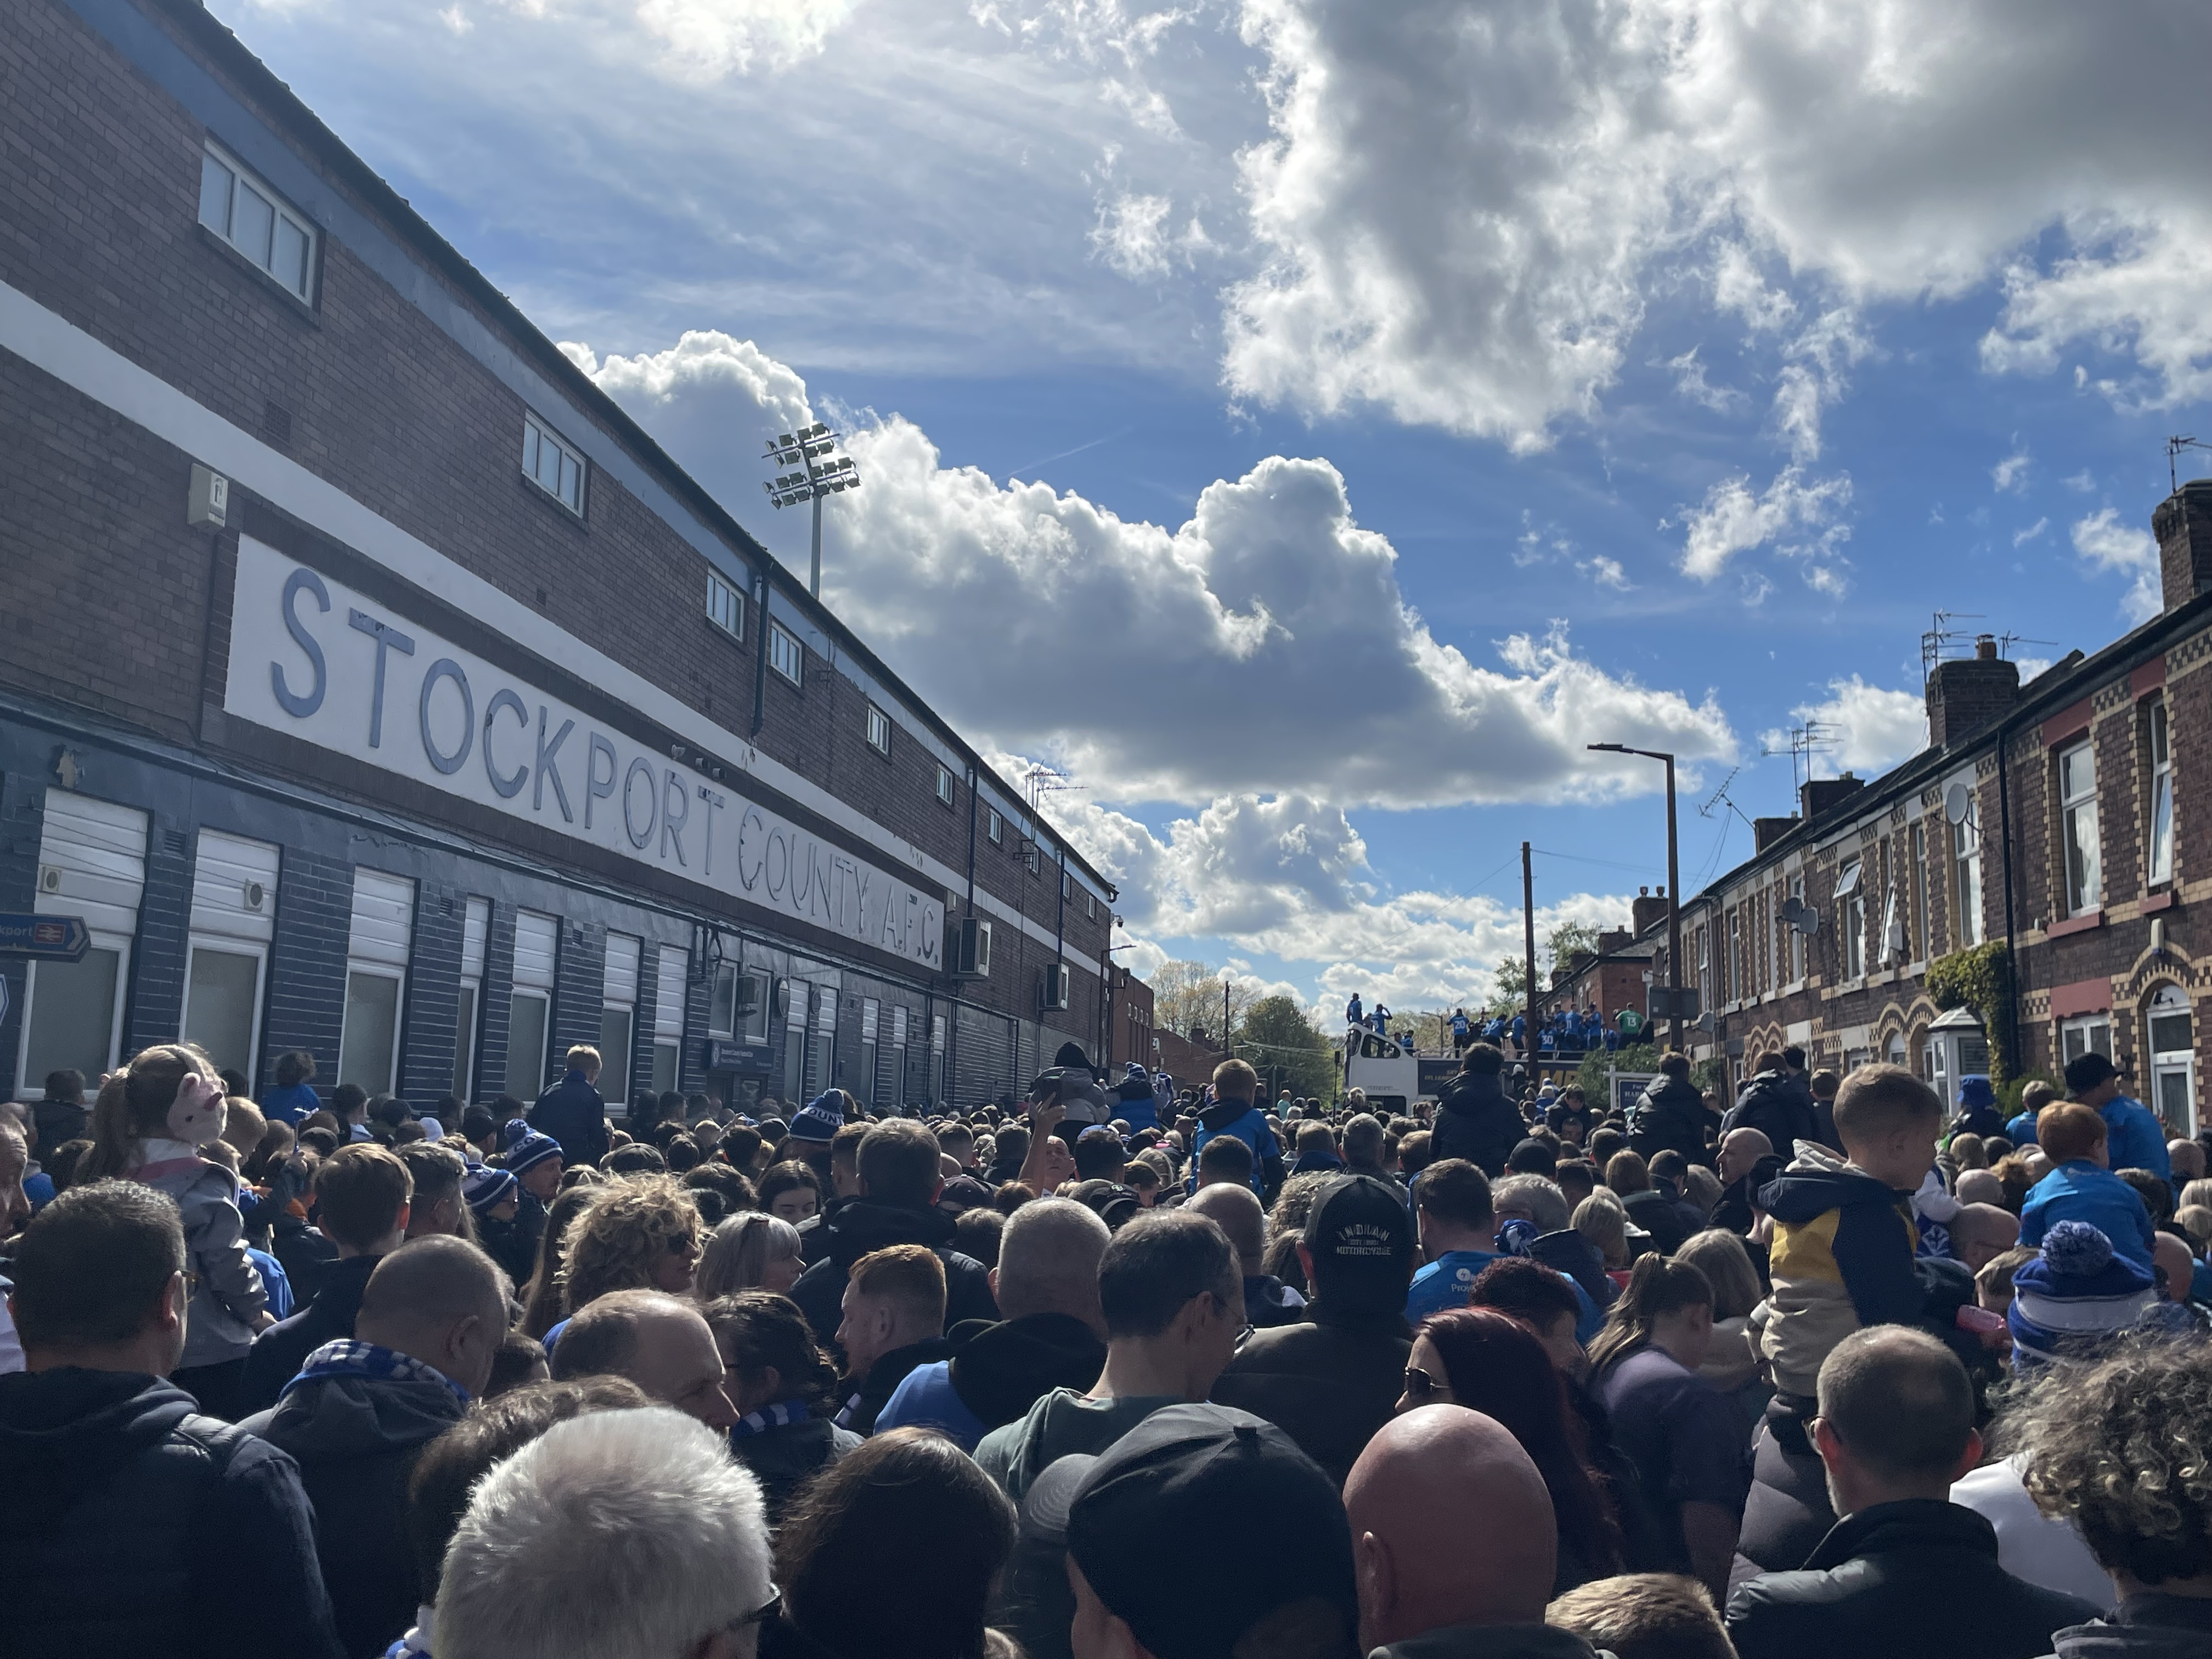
(1670,1113)
(1913,1580)
(864,1225)
(131,1521)
(278,1352)
(1328,1384)
(1786,1514)
(1778,1108)
(1476,1121)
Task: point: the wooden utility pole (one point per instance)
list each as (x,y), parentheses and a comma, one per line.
(1528,1044)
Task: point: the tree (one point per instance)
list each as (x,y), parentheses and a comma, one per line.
(1566,938)
(1283,1047)
(1186,993)
(1509,979)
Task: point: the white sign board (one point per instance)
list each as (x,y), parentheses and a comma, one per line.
(310,657)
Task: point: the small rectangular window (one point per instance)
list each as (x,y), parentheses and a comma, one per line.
(726,606)
(944,785)
(552,465)
(2077,807)
(879,730)
(994,826)
(1091,905)
(254,219)
(1852,923)
(2161,797)
(784,654)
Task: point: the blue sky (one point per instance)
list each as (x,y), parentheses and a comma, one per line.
(1309,422)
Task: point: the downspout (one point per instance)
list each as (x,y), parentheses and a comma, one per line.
(760,660)
(2004,851)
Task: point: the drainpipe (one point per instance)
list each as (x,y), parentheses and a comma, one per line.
(2012,954)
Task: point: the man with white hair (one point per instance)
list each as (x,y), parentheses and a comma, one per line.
(625,1534)
(1052,1334)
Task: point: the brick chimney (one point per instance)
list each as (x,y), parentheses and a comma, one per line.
(1613,939)
(2182,524)
(1818,795)
(1648,909)
(1765,832)
(1968,695)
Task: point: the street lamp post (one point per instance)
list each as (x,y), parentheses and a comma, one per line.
(1673,891)
(822,473)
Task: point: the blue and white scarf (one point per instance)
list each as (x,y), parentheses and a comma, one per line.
(347,1358)
(770,1417)
(852,1410)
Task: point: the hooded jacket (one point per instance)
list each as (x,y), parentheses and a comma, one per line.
(279,1352)
(1241,1118)
(1061,1424)
(863,1224)
(218,1325)
(1670,1113)
(2145,1626)
(130,1518)
(1918,1579)
(863,1400)
(1841,1259)
(1475,1121)
(997,1371)
(1133,1101)
(1774,1104)
(355,1439)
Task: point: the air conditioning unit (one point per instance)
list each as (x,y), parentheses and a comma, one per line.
(1056,989)
(967,948)
(50,878)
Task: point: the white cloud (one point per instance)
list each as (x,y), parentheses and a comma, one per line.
(1271,610)
(1134,236)
(1606,573)
(1691,384)
(2022,538)
(1796,514)
(2011,473)
(1872,729)
(1464,206)
(707,38)
(2083,482)
(2106,544)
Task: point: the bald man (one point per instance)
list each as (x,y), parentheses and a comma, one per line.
(432,1317)
(1741,1150)
(1979,1186)
(1268,1301)
(660,1342)
(1981,1232)
(2176,1267)
(1451,1529)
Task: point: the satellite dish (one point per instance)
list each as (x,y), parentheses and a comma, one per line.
(1800,915)
(1958,802)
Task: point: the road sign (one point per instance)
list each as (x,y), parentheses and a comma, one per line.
(49,938)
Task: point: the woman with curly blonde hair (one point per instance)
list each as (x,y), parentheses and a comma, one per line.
(639,1234)
(2122,1448)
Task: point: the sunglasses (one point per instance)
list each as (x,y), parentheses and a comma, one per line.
(1420,1386)
(760,1615)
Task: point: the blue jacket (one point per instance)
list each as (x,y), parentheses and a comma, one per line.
(290,1104)
(572,1112)
(2080,1191)
(2021,1131)
(1250,1126)
(2134,1139)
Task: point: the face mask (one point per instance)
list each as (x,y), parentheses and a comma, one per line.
(196,1116)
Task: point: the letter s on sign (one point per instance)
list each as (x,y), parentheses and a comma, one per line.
(300,708)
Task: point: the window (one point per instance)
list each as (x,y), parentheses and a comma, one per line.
(726,606)
(1851,920)
(92,863)
(944,785)
(2077,814)
(1919,926)
(879,731)
(672,981)
(1090,904)
(994,826)
(249,215)
(1733,990)
(784,654)
(530,1004)
(1796,946)
(737,1005)
(475,930)
(794,1039)
(2161,798)
(1967,878)
(618,1011)
(233,922)
(870,1016)
(822,1047)
(376,978)
(552,465)
(2092,1034)
(2173,1060)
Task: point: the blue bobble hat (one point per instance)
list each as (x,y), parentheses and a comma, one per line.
(1974,1090)
(2075,1297)
(486,1187)
(819,1118)
(526,1149)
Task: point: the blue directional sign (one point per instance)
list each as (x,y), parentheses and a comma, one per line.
(49,938)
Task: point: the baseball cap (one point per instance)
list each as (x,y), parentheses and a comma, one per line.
(1360,1235)
(2084,1071)
(1278,1547)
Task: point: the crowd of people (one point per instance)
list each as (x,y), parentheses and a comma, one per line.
(1121,1371)
(1559,1031)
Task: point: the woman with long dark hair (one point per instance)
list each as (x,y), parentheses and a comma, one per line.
(1490,1363)
(1684,1436)
(784,1388)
